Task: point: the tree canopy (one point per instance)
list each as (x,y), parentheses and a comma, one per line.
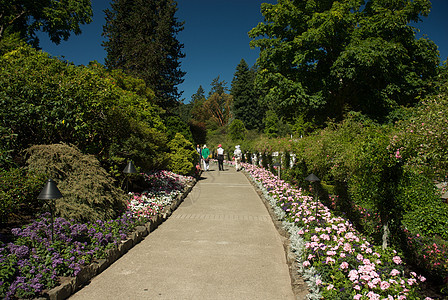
(325,58)
(141,39)
(58,18)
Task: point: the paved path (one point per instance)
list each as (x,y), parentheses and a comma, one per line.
(220,243)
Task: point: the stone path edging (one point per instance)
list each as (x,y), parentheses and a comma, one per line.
(71,285)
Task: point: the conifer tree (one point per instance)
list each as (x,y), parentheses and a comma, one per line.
(141,39)
(245,98)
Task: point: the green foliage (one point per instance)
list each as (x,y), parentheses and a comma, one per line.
(7,140)
(175,125)
(18,193)
(183,156)
(237,130)
(89,193)
(324,58)
(428,220)
(245,97)
(271,124)
(45,100)
(57,18)
(421,139)
(141,40)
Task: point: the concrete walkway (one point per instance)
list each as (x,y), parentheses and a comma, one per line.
(220,243)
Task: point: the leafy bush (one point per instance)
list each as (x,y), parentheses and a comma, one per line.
(428,220)
(47,101)
(89,192)
(18,192)
(183,156)
(237,131)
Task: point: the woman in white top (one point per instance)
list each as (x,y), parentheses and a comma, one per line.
(220,154)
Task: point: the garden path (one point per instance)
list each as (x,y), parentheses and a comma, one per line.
(220,243)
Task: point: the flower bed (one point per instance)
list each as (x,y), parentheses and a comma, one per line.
(34,262)
(336,261)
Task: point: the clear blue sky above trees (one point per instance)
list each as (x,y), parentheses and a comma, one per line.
(215,38)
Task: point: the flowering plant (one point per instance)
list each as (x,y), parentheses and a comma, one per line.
(336,260)
(40,254)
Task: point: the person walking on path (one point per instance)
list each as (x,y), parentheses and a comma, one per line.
(205,157)
(220,155)
(237,156)
(199,151)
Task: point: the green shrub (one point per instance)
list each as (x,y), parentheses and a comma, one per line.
(88,190)
(428,220)
(18,193)
(237,130)
(183,156)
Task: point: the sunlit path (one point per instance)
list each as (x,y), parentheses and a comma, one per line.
(219,244)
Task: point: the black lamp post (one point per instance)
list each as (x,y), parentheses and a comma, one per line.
(312,179)
(50,192)
(129,169)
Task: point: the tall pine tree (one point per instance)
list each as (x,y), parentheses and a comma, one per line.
(141,39)
(245,98)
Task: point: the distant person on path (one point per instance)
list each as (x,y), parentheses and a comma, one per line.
(205,157)
(199,151)
(220,155)
(237,156)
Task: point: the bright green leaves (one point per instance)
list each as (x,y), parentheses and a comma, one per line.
(45,101)
(325,58)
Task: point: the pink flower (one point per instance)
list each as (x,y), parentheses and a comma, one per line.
(344,265)
(384,285)
(306,263)
(318,281)
(397,260)
(353,275)
(357,297)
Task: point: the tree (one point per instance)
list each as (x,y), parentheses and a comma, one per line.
(245,97)
(324,58)
(218,87)
(141,39)
(218,108)
(198,112)
(57,18)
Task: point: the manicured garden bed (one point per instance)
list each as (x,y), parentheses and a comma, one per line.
(34,263)
(336,261)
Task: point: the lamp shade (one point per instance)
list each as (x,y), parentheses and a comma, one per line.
(130,168)
(50,191)
(312,178)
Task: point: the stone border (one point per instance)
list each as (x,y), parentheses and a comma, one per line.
(70,285)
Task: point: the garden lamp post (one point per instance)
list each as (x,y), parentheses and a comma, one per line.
(129,169)
(50,192)
(312,179)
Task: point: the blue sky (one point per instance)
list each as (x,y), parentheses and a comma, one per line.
(215,38)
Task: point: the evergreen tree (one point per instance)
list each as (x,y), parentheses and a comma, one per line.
(245,98)
(141,39)
(219,87)
(198,112)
